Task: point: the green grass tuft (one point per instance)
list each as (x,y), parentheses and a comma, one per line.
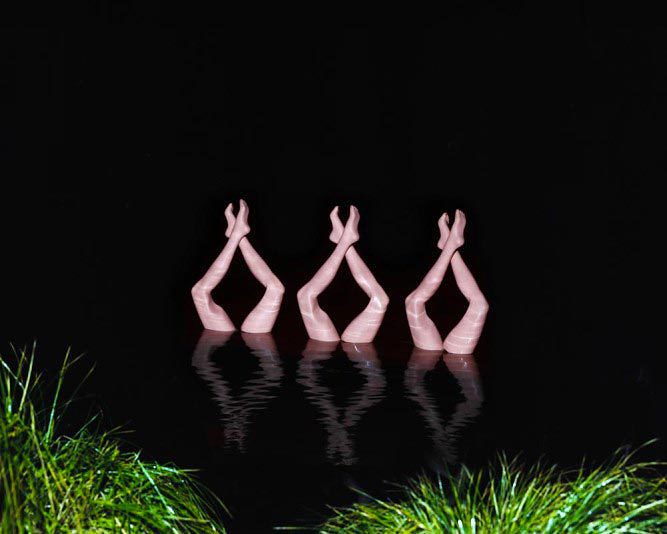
(509,498)
(50,482)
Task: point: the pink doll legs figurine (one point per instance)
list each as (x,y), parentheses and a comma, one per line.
(317,322)
(465,335)
(365,326)
(260,319)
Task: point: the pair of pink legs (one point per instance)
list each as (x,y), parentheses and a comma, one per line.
(262,318)
(464,336)
(461,340)
(318,324)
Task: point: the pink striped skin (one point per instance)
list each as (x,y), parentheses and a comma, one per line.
(465,335)
(262,318)
(365,326)
(318,324)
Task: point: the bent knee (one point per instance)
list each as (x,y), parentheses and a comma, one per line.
(198,292)
(304,296)
(301,294)
(412,301)
(480,304)
(277,286)
(382,300)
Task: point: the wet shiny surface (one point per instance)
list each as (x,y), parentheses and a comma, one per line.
(291,430)
(281,427)
(335,416)
(343,383)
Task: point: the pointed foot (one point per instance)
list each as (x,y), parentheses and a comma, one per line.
(337,227)
(443,225)
(456,238)
(241,226)
(351,231)
(229,215)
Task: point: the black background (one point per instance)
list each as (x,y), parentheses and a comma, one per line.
(123,142)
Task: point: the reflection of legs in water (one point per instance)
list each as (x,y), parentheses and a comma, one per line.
(464,336)
(424,333)
(464,369)
(212,316)
(209,342)
(421,362)
(316,351)
(339,445)
(317,322)
(257,390)
(262,318)
(365,326)
(262,343)
(264,347)
(364,356)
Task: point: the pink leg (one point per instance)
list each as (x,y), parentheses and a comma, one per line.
(317,322)
(424,333)
(365,326)
(212,316)
(464,336)
(262,318)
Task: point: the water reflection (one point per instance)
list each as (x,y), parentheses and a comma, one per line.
(242,387)
(420,363)
(464,369)
(237,408)
(340,421)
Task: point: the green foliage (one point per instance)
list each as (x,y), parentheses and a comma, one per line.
(84,482)
(509,498)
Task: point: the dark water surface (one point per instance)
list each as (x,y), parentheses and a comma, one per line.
(282,427)
(122,147)
(297,432)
